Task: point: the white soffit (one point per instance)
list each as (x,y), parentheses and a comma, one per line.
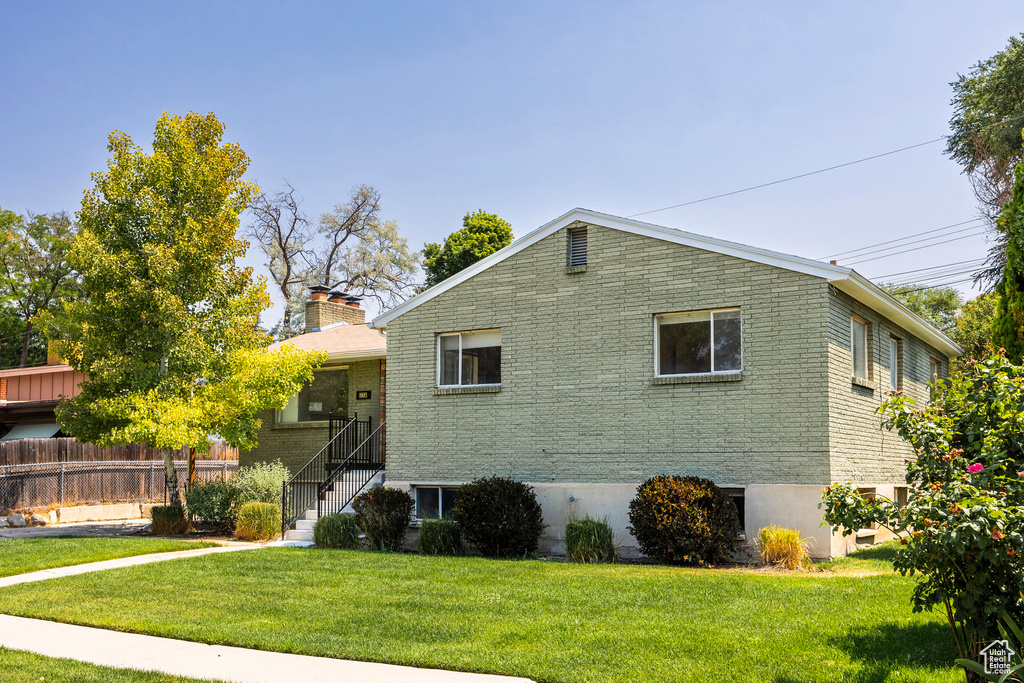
(845,279)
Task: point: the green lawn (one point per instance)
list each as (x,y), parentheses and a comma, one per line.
(24,667)
(877,559)
(544,620)
(20,555)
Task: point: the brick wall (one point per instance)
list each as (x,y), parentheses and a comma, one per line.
(578,401)
(862,450)
(296,444)
(320,314)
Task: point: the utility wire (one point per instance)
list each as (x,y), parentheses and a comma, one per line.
(795,177)
(940,286)
(900,239)
(940,276)
(820,170)
(945,265)
(975,228)
(896,253)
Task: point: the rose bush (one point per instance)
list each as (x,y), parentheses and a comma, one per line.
(964,521)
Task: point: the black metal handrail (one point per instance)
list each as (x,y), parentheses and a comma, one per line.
(352,475)
(299,492)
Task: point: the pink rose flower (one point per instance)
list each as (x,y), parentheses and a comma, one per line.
(975,468)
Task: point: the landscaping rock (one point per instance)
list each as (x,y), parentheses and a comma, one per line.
(4,523)
(39,520)
(17,519)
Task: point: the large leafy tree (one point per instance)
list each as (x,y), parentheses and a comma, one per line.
(972,329)
(988,115)
(937,305)
(481,235)
(351,248)
(34,273)
(1008,328)
(166,324)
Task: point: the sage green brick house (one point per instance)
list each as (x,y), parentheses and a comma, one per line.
(598,351)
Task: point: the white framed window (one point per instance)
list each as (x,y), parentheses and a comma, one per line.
(698,342)
(895,363)
(469,358)
(326,395)
(859,344)
(934,369)
(435,502)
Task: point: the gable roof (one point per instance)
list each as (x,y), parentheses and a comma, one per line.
(845,279)
(341,341)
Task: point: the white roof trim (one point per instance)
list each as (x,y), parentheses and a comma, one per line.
(845,279)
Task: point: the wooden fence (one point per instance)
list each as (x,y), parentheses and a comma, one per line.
(31,451)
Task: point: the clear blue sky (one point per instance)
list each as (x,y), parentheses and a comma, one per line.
(525,109)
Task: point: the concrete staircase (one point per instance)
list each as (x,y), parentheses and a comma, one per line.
(303,530)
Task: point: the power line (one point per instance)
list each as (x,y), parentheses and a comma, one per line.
(897,253)
(940,286)
(795,177)
(945,265)
(900,239)
(939,276)
(820,170)
(920,241)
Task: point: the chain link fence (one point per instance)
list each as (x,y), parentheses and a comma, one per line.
(66,484)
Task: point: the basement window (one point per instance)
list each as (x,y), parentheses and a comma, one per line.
(577,247)
(435,502)
(469,358)
(699,342)
(737,496)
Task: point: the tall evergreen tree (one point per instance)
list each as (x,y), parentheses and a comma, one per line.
(1008,329)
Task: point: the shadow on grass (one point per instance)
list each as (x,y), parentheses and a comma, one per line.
(885,552)
(888,650)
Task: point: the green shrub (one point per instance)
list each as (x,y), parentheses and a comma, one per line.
(336,531)
(258,521)
(169,520)
(261,482)
(212,501)
(384,514)
(964,520)
(440,537)
(500,516)
(590,540)
(684,520)
(782,547)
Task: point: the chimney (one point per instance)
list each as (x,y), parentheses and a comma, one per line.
(353,301)
(326,307)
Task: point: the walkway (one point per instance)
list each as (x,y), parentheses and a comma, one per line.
(184,658)
(89,567)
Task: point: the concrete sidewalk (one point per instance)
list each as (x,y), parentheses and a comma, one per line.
(183,658)
(89,567)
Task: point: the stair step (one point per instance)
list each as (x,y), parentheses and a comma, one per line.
(304,524)
(299,535)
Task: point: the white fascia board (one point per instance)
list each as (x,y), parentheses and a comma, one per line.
(354,356)
(875,298)
(595,218)
(844,278)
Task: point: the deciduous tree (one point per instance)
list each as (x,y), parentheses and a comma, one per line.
(166,326)
(937,305)
(988,115)
(481,235)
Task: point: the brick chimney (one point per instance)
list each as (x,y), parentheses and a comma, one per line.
(327,307)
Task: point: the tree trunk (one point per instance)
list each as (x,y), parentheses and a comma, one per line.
(24,342)
(171,478)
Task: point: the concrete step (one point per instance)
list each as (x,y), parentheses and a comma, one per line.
(304,524)
(299,535)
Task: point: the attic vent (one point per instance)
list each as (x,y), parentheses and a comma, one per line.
(577,247)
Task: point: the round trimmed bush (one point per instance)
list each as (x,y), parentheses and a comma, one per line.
(211,501)
(590,540)
(384,514)
(440,537)
(500,516)
(336,531)
(684,520)
(258,521)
